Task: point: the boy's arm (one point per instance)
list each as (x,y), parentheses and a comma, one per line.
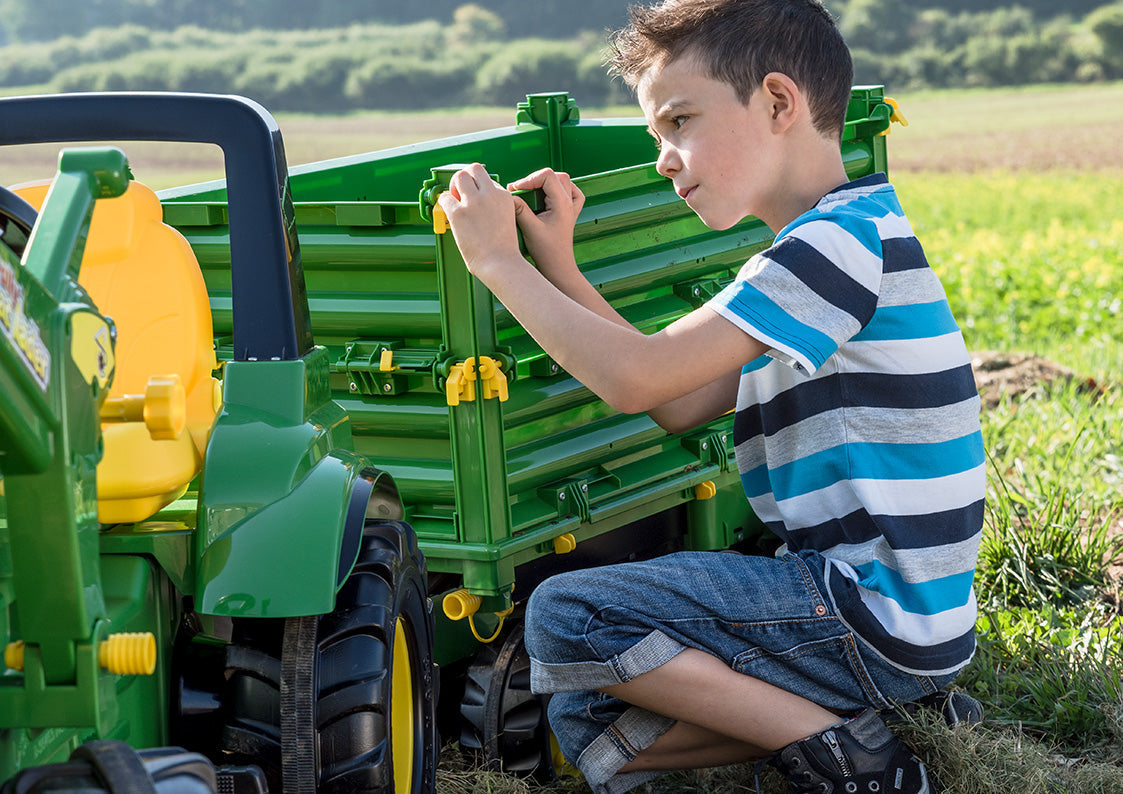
(549,238)
(630,370)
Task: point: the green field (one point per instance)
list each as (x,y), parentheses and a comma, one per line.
(1045,128)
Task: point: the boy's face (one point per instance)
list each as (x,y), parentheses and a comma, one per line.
(717,150)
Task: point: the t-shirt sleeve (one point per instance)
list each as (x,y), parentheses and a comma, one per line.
(814,289)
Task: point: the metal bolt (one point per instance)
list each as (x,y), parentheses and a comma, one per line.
(585,487)
(697,292)
(387,387)
(705,445)
(354,386)
(561,496)
(553,368)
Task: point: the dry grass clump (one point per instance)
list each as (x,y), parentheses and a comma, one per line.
(981,759)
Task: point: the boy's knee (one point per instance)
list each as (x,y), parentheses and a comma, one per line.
(555,613)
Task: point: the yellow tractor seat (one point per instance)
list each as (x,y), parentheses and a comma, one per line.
(144,275)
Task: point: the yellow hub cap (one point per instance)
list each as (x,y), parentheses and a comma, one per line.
(401,712)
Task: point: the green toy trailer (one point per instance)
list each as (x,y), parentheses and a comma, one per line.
(396,464)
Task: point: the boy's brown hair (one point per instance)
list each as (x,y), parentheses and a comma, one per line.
(739,42)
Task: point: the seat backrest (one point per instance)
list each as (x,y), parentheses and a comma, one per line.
(143,274)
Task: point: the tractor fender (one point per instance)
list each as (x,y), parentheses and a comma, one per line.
(289,557)
(283,498)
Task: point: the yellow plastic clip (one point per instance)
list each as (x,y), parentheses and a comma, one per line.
(461,604)
(440,219)
(13,655)
(705,490)
(564,544)
(492,379)
(461,382)
(386,361)
(896,116)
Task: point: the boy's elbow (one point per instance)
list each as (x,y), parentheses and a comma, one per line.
(627,402)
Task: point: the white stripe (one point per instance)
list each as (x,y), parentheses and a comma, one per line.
(842,248)
(891,226)
(905,356)
(884,497)
(924,630)
(760,386)
(921,629)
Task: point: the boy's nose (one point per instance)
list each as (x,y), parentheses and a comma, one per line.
(668,163)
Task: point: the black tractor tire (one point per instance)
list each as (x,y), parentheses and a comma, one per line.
(503,724)
(346,701)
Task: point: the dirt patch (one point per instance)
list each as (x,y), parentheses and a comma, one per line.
(1017,375)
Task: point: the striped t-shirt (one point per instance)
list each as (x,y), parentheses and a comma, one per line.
(858,434)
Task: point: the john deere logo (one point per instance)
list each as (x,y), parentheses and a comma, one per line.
(20,329)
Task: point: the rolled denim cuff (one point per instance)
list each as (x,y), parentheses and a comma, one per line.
(652,651)
(635,730)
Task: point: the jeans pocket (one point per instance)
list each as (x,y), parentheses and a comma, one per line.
(604,709)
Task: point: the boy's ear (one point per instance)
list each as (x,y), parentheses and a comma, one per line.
(783,98)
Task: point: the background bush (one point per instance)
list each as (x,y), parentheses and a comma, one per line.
(465,55)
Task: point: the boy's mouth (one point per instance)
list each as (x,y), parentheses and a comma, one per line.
(684,192)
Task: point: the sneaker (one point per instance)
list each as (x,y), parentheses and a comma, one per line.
(958,708)
(859,755)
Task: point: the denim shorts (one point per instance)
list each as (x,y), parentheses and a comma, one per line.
(767,617)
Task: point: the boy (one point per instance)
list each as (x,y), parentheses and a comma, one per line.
(856,431)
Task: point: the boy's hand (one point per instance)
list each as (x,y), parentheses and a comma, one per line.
(482,217)
(549,234)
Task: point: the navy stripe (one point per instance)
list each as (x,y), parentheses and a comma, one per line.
(941,656)
(902,253)
(825,278)
(902,532)
(874,389)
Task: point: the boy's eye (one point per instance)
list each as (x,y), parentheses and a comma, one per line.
(678,121)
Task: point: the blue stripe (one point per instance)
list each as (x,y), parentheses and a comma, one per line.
(910,321)
(760,362)
(758,310)
(866,461)
(942,656)
(919,598)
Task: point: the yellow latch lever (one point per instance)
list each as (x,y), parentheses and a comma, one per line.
(895,116)
(460,386)
(440,219)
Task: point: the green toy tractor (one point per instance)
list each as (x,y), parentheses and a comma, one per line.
(326,486)
(275,603)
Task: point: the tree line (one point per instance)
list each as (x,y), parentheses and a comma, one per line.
(43,20)
(474,58)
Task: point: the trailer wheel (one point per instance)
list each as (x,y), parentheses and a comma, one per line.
(343,702)
(502,722)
